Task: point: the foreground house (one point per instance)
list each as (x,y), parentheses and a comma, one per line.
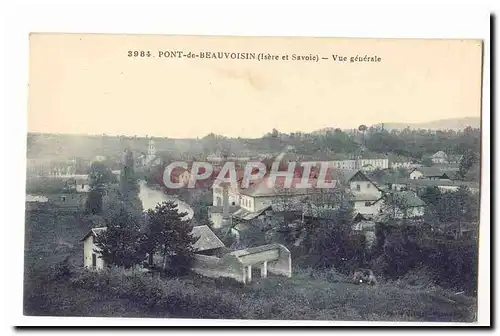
(207,243)
(91,258)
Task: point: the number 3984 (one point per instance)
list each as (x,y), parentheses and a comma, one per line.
(139,53)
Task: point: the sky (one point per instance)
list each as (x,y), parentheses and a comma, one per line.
(87,84)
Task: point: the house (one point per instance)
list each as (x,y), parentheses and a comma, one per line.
(365,192)
(99,158)
(372,164)
(405,165)
(444,185)
(91,256)
(36,203)
(250,203)
(178,175)
(207,243)
(78,184)
(439,157)
(402,205)
(184,177)
(117,173)
(82,185)
(430,173)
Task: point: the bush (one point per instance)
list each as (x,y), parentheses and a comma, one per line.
(61,270)
(420,277)
(176,297)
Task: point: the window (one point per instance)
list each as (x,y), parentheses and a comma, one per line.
(233,203)
(368,185)
(358,187)
(368,204)
(94,260)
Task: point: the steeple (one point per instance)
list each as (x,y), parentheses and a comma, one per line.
(151,151)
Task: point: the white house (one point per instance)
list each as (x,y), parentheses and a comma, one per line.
(439,157)
(91,258)
(430,173)
(404,164)
(184,177)
(365,192)
(372,164)
(363,164)
(99,158)
(82,185)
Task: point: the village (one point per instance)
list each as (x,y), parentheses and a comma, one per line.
(250,233)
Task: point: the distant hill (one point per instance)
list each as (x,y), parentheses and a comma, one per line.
(443,124)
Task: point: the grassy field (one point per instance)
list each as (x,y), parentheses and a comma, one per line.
(52,237)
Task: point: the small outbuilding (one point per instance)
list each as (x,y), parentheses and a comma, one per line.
(91,256)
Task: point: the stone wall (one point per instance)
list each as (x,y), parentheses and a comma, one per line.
(283,265)
(227,266)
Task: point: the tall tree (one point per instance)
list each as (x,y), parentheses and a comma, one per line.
(100,177)
(457,208)
(129,186)
(169,234)
(362,129)
(121,243)
(394,208)
(332,241)
(468,161)
(431,196)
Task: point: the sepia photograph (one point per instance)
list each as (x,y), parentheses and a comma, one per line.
(253,178)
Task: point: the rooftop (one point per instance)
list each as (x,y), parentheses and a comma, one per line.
(430,171)
(439,154)
(408,198)
(437,183)
(94,232)
(262,188)
(207,239)
(40,199)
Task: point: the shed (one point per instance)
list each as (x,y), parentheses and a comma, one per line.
(91,256)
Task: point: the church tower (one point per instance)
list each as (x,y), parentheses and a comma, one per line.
(151,155)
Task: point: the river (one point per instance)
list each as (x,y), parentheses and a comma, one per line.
(151,197)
